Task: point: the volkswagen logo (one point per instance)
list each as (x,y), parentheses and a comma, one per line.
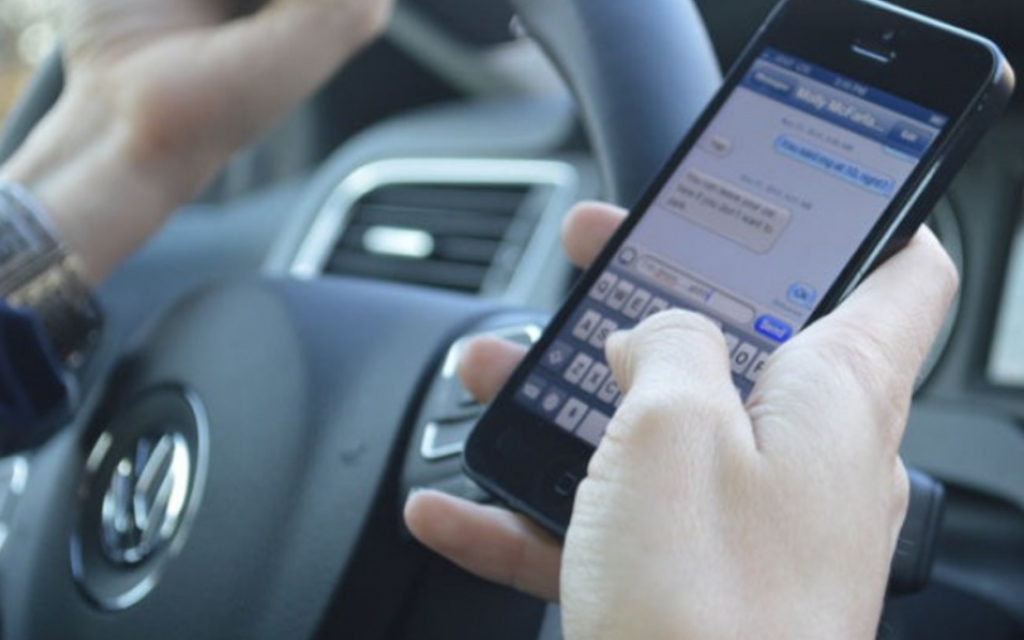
(144,502)
(140,491)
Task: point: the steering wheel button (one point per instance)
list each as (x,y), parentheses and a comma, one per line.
(446,439)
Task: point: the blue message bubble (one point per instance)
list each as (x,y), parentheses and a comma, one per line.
(835,166)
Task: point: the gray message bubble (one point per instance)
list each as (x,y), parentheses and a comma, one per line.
(727,211)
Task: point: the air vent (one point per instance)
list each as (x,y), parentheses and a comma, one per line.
(442,236)
(472,225)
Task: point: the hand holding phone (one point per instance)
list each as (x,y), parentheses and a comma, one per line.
(747,452)
(508,548)
(828,145)
(700,514)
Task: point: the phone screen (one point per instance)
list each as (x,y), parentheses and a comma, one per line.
(752,229)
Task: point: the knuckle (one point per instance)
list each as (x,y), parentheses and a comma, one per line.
(676,327)
(654,411)
(867,362)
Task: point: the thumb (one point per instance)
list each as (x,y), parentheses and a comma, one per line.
(674,373)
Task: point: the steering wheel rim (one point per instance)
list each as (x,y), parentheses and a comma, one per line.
(636,105)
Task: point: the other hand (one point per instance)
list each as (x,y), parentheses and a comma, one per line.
(160,93)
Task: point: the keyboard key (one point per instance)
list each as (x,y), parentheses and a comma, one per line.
(755,369)
(595,378)
(593,427)
(637,303)
(552,401)
(532,389)
(609,391)
(571,414)
(773,328)
(619,295)
(657,306)
(585,327)
(600,337)
(627,256)
(603,286)
(558,357)
(579,367)
(742,358)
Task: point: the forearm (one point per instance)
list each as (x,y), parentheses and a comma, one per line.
(104,187)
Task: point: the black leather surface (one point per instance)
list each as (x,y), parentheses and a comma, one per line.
(306,386)
(641,70)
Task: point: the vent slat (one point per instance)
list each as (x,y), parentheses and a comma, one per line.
(450,222)
(469,225)
(430,273)
(480,251)
(493,200)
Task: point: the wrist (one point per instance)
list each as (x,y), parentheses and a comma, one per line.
(39,274)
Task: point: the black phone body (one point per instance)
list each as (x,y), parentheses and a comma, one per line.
(829,143)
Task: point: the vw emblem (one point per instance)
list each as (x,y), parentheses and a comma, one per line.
(145,499)
(139,495)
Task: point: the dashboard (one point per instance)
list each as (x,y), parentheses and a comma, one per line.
(470,128)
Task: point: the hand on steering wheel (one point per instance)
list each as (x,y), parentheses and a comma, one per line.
(705,518)
(160,93)
(199,74)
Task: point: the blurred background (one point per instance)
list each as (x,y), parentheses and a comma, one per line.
(28,32)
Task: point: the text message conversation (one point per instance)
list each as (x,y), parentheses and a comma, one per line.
(752,229)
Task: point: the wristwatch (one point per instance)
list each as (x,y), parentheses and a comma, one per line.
(38,272)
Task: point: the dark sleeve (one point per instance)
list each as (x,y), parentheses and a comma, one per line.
(35,392)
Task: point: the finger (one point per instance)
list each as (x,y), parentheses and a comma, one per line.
(587,229)
(486,366)
(675,364)
(270,61)
(871,348)
(492,543)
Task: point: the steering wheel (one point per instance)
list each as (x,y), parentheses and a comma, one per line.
(221,483)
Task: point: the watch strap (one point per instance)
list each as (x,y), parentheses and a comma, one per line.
(39,273)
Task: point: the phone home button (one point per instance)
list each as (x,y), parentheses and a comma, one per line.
(559,484)
(565,485)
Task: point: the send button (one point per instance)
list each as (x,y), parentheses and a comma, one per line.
(773,329)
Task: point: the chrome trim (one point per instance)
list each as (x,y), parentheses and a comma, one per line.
(15,471)
(143,505)
(429,448)
(529,332)
(193,498)
(334,216)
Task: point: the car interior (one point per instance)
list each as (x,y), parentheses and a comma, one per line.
(284,351)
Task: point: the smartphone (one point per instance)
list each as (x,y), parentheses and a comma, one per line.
(829,143)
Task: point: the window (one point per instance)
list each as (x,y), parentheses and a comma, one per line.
(28,32)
